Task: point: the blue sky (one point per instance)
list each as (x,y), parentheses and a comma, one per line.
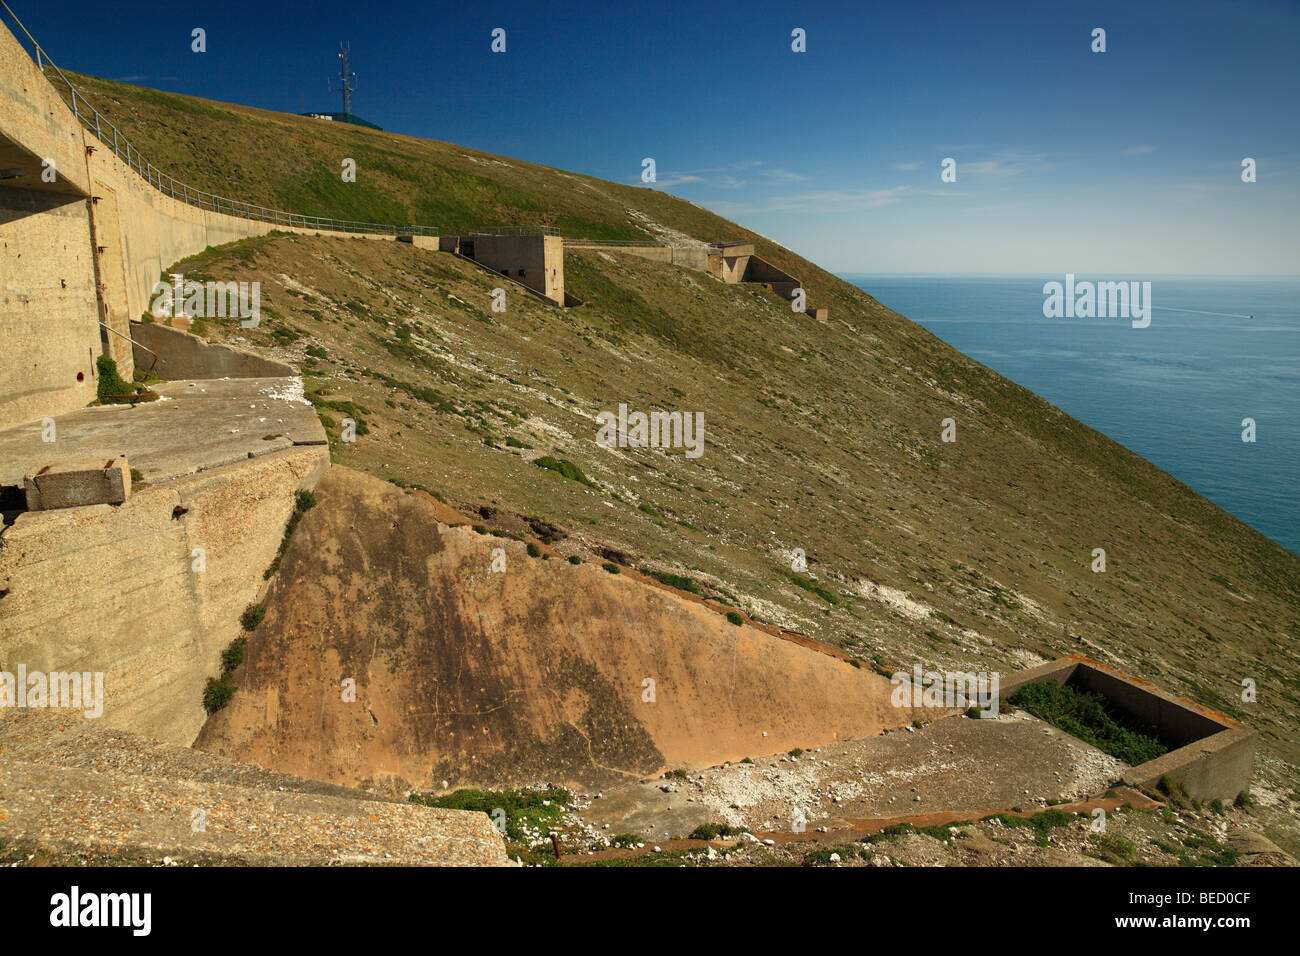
(1127,161)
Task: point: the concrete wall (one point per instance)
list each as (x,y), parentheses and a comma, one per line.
(49,316)
(534,261)
(141,232)
(688,257)
(114,589)
(34,127)
(182,356)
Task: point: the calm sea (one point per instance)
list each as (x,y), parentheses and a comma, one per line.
(1175,392)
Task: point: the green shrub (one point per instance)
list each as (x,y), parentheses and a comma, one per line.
(574,559)
(252,616)
(112,389)
(711,831)
(233,655)
(1092,719)
(812,587)
(303,501)
(1174,793)
(533,550)
(564,467)
(679,581)
(1041,823)
(823,857)
(524,809)
(1113,848)
(735,618)
(217,694)
(611,568)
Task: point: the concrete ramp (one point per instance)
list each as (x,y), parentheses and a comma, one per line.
(72,792)
(543,671)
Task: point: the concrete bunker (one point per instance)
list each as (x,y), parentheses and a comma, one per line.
(1210,754)
(533,261)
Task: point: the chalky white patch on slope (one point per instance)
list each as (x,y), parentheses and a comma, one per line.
(896,599)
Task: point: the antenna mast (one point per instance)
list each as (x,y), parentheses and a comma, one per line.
(346,78)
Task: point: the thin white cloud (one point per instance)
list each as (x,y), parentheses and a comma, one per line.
(783,175)
(816,201)
(671,181)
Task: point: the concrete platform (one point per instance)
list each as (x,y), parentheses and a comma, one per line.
(194,426)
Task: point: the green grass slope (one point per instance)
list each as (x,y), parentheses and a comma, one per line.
(822,436)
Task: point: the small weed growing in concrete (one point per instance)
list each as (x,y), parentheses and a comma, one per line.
(303,502)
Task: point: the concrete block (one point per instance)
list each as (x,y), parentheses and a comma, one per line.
(73,484)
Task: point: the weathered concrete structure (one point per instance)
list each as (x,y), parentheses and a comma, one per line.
(535,262)
(73,484)
(1213,754)
(132,801)
(150,591)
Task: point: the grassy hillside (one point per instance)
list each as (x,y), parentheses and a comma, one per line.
(826,437)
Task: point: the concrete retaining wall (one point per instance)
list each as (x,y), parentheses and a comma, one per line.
(117,588)
(182,356)
(688,257)
(49,315)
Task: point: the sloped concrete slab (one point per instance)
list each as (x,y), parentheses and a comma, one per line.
(70,801)
(194,426)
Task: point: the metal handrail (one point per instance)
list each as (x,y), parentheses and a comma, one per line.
(133,343)
(109,135)
(615,242)
(514,231)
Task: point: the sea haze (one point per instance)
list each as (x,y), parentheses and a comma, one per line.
(1175,392)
